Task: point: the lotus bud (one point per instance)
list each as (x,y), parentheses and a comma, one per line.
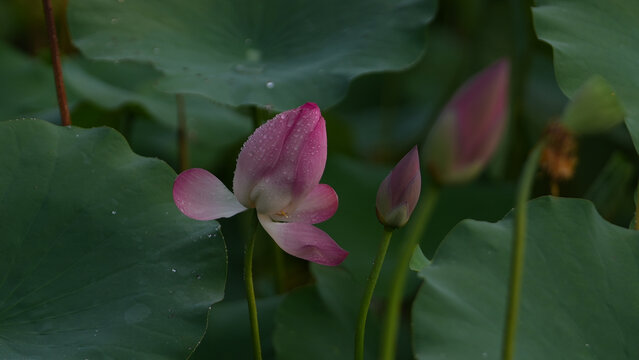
(399,192)
(469,129)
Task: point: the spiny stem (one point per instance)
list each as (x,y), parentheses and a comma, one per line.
(57,67)
(368,293)
(182,134)
(421,218)
(250,294)
(518,249)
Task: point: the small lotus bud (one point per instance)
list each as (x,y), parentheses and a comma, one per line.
(399,192)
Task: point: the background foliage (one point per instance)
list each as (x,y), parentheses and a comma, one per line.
(381,71)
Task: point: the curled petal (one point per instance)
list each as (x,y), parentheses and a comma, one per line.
(202,196)
(304,241)
(319,205)
(282,161)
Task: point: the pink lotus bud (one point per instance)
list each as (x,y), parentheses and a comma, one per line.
(278,173)
(399,192)
(282,161)
(469,128)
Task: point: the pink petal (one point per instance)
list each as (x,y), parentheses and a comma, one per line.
(319,205)
(282,161)
(304,241)
(202,196)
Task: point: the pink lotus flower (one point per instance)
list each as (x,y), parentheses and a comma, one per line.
(469,128)
(278,173)
(399,192)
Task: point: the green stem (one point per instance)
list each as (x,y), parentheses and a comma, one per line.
(368,293)
(250,295)
(420,220)
(183,144)
(518,247)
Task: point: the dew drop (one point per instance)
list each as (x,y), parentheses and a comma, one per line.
(270,85)
(115,21)
(113,212)
(173,270)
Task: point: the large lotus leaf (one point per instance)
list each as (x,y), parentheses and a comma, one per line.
(281,53)
(213,129)
(590,37)
(579,293)
(95,259)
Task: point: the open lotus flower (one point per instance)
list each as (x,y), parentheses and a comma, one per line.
(399,192)
(469,128)
(278,173)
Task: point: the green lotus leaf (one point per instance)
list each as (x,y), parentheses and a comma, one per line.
(280,54)
(579,293)
(95,259)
